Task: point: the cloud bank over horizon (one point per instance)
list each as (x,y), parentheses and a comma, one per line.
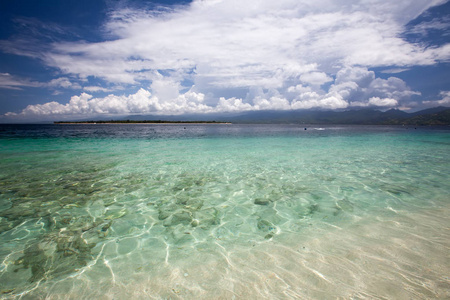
(219,56)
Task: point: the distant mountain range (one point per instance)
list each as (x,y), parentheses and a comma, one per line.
(432,116)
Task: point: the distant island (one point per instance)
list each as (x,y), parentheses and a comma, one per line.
(139,122)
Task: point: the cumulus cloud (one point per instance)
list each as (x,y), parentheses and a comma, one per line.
(315,78)
(353,87)
(360,87)
(140,102)
(383,102)
(313,100)
(300,53)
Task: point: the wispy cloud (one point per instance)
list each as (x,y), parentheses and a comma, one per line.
(63,82)
(444,101)
(285,54)
(436,24)
(35,38)
(93,89)
(395,70)
(8,81)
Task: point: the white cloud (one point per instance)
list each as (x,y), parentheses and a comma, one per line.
(315,78)
(140,102)
(232,105)
(444,101)
(360,87)
(330,101)
(424,28)
(394,70)
(10,82)
(225,49)
(352,87)
(63,82)
(255,43)
(94,89)
(383,102)
(272,103)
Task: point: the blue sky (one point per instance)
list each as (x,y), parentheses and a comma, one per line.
(62,60)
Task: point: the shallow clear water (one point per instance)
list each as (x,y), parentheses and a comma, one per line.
(224,211)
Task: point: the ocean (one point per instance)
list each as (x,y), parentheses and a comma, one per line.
(224,211)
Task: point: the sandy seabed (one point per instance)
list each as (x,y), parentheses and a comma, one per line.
(402,256)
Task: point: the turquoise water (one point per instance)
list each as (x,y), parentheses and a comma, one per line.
(224,211)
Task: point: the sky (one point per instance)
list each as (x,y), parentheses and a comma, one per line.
(84,59)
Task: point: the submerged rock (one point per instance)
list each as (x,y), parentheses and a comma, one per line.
(264,225)
(106,226)
(164,215)
(195,223)
(313,208)
(180,217)
(63,250)
(35,259)
(268,236)
(166,211)
(261,201)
